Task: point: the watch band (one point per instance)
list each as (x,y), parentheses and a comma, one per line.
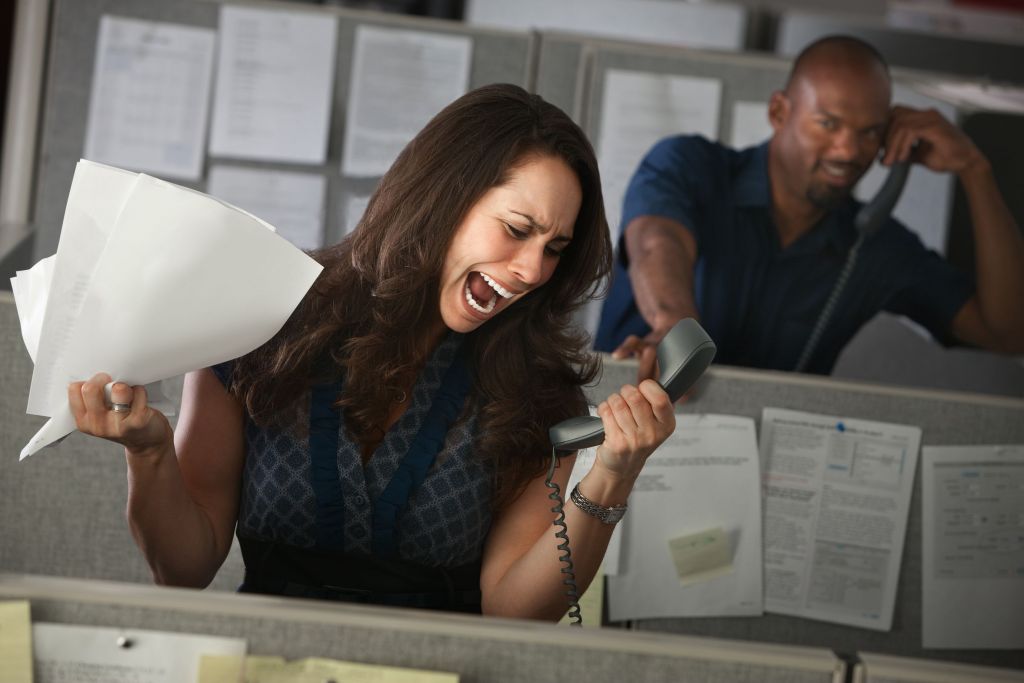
(608,515)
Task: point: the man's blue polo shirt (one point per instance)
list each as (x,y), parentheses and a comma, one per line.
(758,301)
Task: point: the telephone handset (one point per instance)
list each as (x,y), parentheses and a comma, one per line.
(868,220)
(683,355)
(873,214)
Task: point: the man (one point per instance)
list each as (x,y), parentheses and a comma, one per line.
(752,242)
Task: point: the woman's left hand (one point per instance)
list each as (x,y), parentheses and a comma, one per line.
(636,421)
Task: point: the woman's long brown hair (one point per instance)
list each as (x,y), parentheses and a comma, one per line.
(377,298)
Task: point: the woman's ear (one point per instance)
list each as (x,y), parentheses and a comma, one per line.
(779,107)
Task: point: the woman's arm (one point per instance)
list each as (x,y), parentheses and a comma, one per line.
(183,486)
(521,574)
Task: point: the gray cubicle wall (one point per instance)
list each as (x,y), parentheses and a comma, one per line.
(497,56)
(971,58)
(946,418)
(478,649)
(62,511)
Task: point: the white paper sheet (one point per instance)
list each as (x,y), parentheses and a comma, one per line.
(64,653)
(749,124)
(705,476)
(292,202)
(973,547)
(149,97)
(637,110)
(400,80)
(275,78)
(153,280)
(836,497)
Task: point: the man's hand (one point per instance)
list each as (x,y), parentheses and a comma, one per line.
(644,350)
(941,146)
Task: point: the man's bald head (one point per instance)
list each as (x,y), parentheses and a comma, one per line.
(836,57)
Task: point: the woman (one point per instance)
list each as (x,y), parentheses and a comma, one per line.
(389,444)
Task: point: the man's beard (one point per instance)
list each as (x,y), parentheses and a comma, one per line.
(827,197)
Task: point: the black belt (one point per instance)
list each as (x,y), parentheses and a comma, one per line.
(278,569)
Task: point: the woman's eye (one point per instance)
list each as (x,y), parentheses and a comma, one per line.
(516,232)
(552,252)
(827,124)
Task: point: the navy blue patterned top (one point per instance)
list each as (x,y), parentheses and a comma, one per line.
(289,496)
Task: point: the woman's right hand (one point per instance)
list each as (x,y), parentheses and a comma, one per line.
(142,430)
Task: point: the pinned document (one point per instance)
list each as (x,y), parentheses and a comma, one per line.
(836,498)
(275,78)
(67,653)
(704,479)
(149,98)
(973,547)
(637,110)
(400,79)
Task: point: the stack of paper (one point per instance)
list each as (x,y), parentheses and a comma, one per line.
(150,280)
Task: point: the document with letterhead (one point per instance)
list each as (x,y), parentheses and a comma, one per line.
(836,497)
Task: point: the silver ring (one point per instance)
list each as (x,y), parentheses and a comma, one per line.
(121,407)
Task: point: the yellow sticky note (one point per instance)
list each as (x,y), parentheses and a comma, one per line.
(267,669)
(591,603)
(701,556)
(15,642)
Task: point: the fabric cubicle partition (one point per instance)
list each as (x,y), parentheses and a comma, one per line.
(946,418)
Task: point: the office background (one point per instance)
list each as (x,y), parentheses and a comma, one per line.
(51,60)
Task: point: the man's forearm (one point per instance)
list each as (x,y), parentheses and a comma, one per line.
(999,258)
(662,254)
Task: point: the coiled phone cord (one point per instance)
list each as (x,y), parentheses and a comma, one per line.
(830,305)
(565,558)
(868,220)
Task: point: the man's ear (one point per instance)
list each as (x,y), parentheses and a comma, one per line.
(779,108)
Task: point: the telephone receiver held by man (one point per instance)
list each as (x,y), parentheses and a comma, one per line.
(872,215)
(683,356)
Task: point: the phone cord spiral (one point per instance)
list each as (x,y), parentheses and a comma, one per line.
(830,305)
(572,594)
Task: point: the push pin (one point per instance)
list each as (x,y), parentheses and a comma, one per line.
(124,642)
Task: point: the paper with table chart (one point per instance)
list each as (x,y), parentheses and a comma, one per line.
(65,653)
(637,110)
(705,476)
(291,201)
(152,280)
(149,97)
(836,497)
(15,642)
(973,546)
(269,669)
(275,77)
(400,80)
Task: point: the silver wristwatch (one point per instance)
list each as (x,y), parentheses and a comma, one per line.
(607,515)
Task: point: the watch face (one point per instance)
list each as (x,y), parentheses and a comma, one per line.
(613,515)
